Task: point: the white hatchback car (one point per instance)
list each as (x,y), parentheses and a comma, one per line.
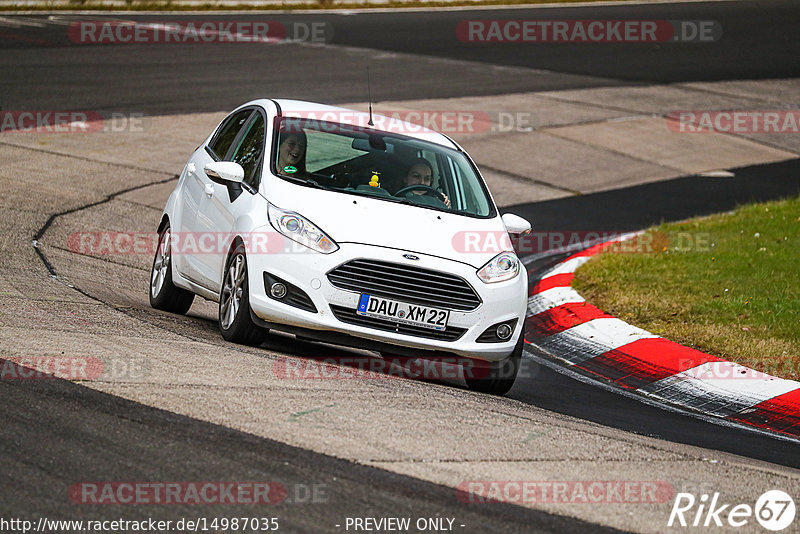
(308,219)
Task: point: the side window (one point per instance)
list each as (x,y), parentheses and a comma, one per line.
(228,131)
(431,157)
(327,149)
(466,185)
(251,149)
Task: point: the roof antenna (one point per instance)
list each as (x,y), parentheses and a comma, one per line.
(369,97)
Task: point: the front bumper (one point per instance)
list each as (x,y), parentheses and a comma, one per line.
(307,270)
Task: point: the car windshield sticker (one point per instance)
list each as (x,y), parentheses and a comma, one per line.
(290,169)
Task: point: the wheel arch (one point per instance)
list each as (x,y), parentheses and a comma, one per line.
(235,242)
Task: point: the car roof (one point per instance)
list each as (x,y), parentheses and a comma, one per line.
(382,123)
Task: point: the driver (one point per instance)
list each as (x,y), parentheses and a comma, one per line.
(292,154)
(421,173)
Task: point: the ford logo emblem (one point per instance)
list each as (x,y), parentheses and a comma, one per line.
(410,257)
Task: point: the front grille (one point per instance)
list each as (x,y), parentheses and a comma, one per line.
(406,283)
(349,315)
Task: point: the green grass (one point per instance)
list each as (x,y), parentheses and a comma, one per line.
(727,284)
(169,5)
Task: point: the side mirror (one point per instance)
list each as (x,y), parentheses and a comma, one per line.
(516,225)
(225,171)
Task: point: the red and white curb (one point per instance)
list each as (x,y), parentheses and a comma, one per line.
(562,324)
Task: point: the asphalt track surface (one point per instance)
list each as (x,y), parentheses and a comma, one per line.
(122,440)
(103,437)
(43,69)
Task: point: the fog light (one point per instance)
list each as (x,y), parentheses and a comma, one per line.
(504,331)
(278,291)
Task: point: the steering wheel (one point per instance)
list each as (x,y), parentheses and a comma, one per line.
(421,187)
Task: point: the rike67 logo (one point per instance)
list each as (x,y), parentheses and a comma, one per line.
(774,510)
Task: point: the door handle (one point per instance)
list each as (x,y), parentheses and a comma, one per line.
(209,189)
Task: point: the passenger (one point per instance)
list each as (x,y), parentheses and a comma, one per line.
(292,154)
(421,173)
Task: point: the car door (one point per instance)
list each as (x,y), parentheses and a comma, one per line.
(224,202)
(197,187)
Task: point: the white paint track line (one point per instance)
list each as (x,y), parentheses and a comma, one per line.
(720,388)
(17,22)
(551,298)
(591,339)
(607,386)
(569,266)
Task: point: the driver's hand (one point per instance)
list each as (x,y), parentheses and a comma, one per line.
(446,201)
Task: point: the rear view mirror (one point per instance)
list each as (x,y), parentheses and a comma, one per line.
(373,144)
(516,225)
(225,171)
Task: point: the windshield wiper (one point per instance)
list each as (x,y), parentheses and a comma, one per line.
(310,182)
(390,198)
(313,182)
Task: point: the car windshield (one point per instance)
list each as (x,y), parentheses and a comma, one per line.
(382,165)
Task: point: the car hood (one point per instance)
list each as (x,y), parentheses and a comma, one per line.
(350,218)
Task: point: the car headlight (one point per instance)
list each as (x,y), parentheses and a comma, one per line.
(504,266)
(299,229)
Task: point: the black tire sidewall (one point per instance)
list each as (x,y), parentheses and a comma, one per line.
(242,329)
(170,297)
(501,375)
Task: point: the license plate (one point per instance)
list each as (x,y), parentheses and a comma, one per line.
(403,312)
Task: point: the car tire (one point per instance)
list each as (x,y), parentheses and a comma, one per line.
(164,295)
(235,323)
(497,378)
